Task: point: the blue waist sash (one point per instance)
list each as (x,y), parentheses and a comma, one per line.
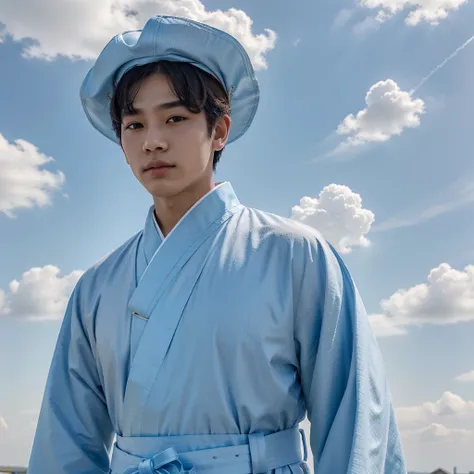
(209,454)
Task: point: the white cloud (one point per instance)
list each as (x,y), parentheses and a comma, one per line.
(389,112)
(343,17)
(79,30)
(23,182)
(447,298)
(467,377)
(367,25)
(384,327)
(41,294)
(338,214)
(429,11)
(450,408)
(438,432)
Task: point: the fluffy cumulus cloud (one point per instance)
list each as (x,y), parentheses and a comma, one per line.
(81,29)
(23,180)
(446,298)
(430,11)
(389,112)
(338,214)
(41,294)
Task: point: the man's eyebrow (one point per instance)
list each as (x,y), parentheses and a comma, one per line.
(163,106)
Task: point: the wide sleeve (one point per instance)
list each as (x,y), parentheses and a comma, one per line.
(74,432)
(348,402)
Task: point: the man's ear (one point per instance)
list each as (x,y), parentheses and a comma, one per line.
(221,132)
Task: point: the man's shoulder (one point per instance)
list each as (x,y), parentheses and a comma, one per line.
(282,228)
(307,246)
(106,265)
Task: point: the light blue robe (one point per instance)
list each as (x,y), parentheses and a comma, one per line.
(239,323)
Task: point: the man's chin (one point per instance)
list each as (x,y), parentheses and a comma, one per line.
(165,189)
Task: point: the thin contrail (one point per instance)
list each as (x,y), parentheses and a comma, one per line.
(437,68)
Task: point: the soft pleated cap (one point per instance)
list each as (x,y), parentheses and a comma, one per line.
(173,39)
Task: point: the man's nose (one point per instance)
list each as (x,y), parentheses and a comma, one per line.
(155,141)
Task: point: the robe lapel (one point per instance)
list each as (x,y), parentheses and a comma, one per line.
(161,315)
(151,240)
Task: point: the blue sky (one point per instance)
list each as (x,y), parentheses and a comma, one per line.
(390,185)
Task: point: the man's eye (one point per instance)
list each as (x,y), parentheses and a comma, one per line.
(133,126)
(175,119)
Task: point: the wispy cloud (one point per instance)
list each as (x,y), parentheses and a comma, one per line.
(367,25)
(343,17)
(442,64)
(457,195)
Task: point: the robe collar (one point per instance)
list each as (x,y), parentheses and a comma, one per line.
(201,215)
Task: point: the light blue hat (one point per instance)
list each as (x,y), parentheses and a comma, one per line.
(173,39)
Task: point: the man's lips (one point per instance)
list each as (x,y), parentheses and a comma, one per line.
(159,171)
(158,165)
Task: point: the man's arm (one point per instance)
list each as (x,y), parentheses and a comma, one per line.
(74,432)
(353,429)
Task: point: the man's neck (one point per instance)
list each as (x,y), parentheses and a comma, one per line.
(169,211)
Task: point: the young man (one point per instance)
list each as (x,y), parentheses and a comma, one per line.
(203,341)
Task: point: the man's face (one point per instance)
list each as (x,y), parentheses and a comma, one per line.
(167,147)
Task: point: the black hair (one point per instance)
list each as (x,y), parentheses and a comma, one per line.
(196,89)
